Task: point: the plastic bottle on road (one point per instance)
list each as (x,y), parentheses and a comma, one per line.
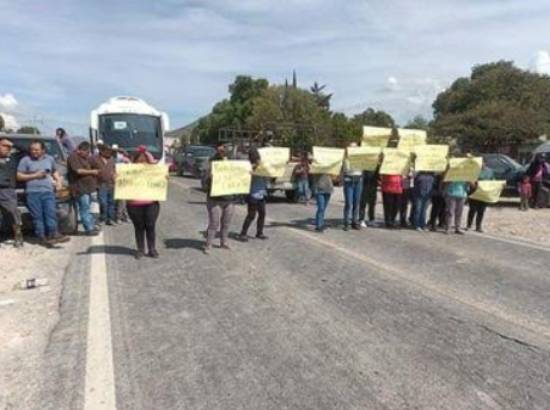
(31,283)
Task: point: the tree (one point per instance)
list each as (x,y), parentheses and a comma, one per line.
(498,106)
(323,100)
(374,118)
(28,129)
(418,123)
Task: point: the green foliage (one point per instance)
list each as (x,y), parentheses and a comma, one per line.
(27,129)
(418,123)
(498,105)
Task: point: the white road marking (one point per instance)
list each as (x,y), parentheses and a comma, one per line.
(99,387)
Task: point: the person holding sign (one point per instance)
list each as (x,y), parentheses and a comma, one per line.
(143,213)
(322,189)
(368,197)
(422,194)
(256,203)
(220,208)
(392,189)
(477,207)
(353,184)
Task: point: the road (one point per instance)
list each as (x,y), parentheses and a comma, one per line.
(374,319)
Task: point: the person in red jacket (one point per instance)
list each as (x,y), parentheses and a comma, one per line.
(392,189)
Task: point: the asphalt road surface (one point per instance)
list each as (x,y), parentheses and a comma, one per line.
(374,319)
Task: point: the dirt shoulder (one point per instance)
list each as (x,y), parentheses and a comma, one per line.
(28,316)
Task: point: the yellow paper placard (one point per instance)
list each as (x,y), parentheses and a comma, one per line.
(144,182)
(364,158)
(376,136)
(464,169)
(327,160)
(273,162)
(488,191)
(431,158)
(395,162)
(409,139)
(230,177)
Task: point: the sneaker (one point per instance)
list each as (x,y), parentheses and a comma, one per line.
(419,229)
(45,243)
(93,232)
(261,236)
(346,228)
(109,223)
(363,224)
(242,237)
(58,238)
(225,246)
(206,250)
(139,254)
(459,232)
(480,230)
(153,253)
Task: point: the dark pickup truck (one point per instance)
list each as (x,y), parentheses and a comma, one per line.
(66,209)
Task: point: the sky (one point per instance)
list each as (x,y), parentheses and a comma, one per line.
(62,58)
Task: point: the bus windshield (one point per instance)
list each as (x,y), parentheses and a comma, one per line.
(129,131)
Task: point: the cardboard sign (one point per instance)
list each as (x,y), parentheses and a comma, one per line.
(327,160)
(488,191)
(431,158)
(395,162)
(144,182)
(273,161)
(409,139)
(364,158)
(230,177)
(463,169)
(376,136)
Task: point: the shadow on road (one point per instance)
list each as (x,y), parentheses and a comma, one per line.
(179,243)
(109,250)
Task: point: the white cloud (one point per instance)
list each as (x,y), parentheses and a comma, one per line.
(10,122)
(392,84)
(541,62)
(8,101)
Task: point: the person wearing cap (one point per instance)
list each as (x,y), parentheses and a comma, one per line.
(38,171)
(83,175)
(8,196)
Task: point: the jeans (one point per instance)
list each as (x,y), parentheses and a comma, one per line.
(106,198)
(420,207)
(219,212)
(438,214)
(303,189)
(42,206)
(255,206)
(477,211)
(322,204)
(454,207)
(352,196)
(144,218)
(84,202)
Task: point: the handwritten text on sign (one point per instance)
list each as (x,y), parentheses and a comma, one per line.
(273,162)
(395,162)
(376,136)
(364,158)
(230,178)
(327,160)
(431,158)
(464,169)
(144,182)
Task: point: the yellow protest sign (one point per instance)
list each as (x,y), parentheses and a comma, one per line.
(464,169)
(395,162)
(364,158)
(273,162)
(144,182)
(230,177)
(488,191)
(431,158)
(409,139)
(376,136)
(327,160)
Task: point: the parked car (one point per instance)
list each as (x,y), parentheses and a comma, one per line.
(193,160)
(506,169)
(66,208)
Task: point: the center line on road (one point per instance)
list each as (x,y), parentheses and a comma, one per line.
(99,385)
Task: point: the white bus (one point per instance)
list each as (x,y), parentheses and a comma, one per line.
(129,122)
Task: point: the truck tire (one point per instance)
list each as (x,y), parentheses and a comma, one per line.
(69,224)
(292,196)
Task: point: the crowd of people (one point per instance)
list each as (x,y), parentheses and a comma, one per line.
(405,199)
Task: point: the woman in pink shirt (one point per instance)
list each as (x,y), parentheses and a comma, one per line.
(144,214)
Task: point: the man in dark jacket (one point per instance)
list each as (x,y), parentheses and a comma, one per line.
(8,197)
